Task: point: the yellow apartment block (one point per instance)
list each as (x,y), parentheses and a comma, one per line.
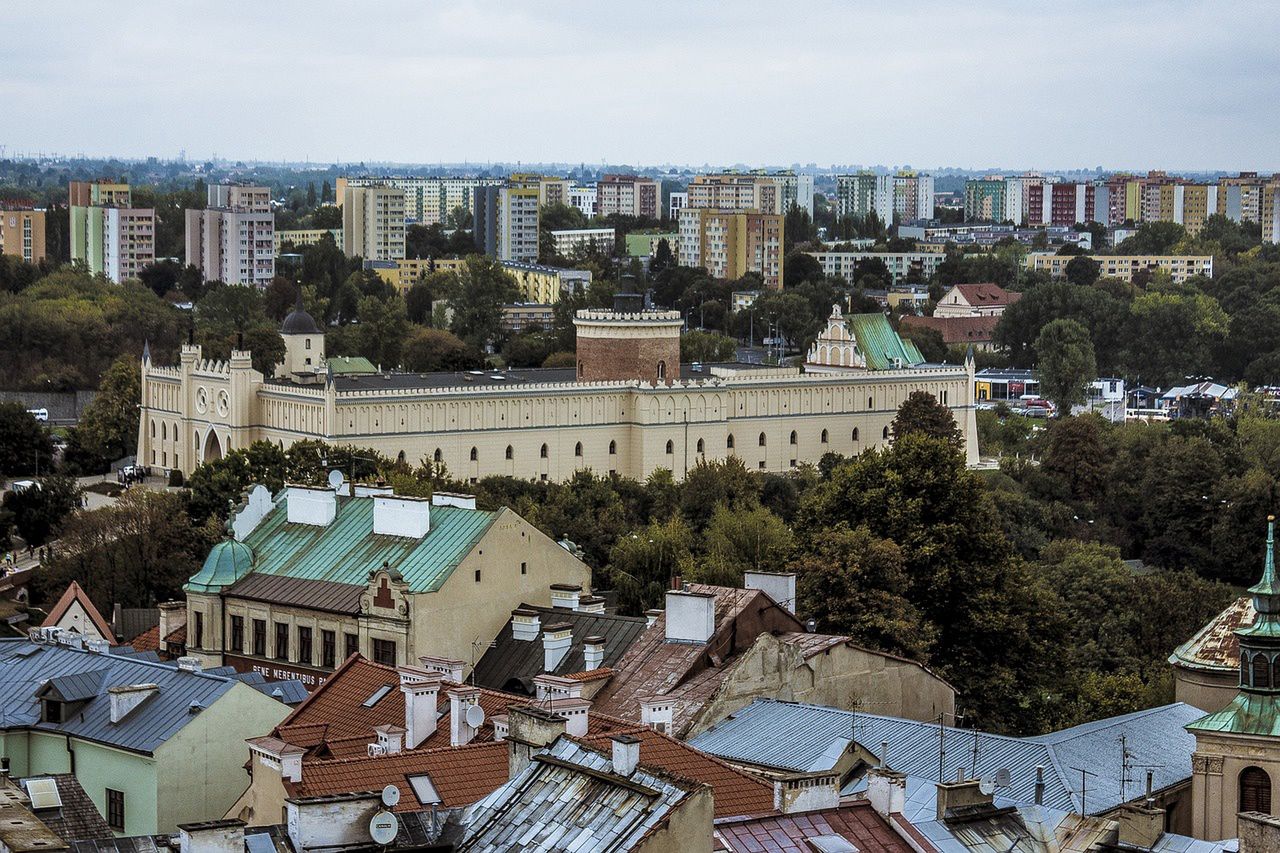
(301,237)
(1124,267)
(22,234)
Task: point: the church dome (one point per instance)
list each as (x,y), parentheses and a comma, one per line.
(299,322)
(228,562)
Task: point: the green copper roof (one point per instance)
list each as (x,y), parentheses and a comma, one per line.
(346,550)
(1248,714)
(1268,586)
(347,364)
(228,562)
(883,347)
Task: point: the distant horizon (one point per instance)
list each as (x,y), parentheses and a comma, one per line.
(1163,84)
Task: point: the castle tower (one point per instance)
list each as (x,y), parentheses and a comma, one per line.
(1236,764)
(628,343)
(303,344)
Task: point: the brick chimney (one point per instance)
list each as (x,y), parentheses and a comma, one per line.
(173,615)
(448,667)
(421,689)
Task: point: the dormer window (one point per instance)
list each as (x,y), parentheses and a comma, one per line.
(50,711)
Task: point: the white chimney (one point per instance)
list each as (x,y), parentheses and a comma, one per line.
(400,515)
(390,738)
(556,640)
(98,645)
(591,604)
(275,754)
(592,653)
(576,714)
(129,696)
(189,663)
(421,689)
(565,595)
(369,490)
(651,616)
(311,505)
(461,501)
(886,790)
(691,616)
(547,686)
(331,822)
(461,732)
(211,836)
(806,792)
(501,726)
(244,522)
(173,615)
(450,668)
(780,586)
(656,714)
(626,754)
(525,624)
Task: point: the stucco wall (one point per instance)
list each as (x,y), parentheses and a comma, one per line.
(688,829)
(1216,766)
(1208,691)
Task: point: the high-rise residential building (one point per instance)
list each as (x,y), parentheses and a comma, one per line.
(428,201)
(554,191)
(584,199)
(794,190)
(731,243)
(863,193)
(1058,203)
(629,195)
(108,235)
(22,234)
(984,199)
(233,239)
(1240,198)
(912,196)
(506,219)
(676,203)
(373,223)
(732,191)
(1014,195)
(1269,210)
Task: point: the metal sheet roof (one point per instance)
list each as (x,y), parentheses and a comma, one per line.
(802,737)
(879,343)
(346,550)
(144,729)
(330,596)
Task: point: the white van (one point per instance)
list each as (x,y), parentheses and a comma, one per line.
(39,414)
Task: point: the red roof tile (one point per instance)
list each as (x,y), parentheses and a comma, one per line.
(856,822)
(957,330)
(147,641)
(736,793)
(987,294)
(75,593)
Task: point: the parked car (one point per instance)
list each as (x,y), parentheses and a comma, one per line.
(39,414)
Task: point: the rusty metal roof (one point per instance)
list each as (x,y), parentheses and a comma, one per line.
(329,596)
(1216,647)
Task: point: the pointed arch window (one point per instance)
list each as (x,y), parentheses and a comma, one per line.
(438,456)
(613,448)
(702,446)
(794,437)
(475,455)
(511,453)
(577,449)
(824,436)
(671,447)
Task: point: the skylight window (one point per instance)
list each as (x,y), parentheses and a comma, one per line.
(377,696)
(424,790)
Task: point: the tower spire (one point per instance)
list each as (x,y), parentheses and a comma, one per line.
(1260,642)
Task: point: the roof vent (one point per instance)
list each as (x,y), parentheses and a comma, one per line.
(565,595)
(691,616)
(127,697)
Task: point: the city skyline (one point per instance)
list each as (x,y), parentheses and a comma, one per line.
(1070,87)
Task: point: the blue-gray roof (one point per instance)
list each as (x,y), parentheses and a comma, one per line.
(85,677)
(801,737)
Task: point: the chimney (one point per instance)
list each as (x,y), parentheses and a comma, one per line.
(626,754)
(546,686)
(189,663)
(212,836)
(656,714)
(275,754)
(461,732)
(98,646)
(311,505)
(461,501)
(1040,785)
(591,604)
(961,793)
(592,653)
(565,595)
(886,790)
(651,616)
(331,822)
(390,739)
(806,792)
(501,726)
(173,615)
(1141,826)
(450,668)
(575,712)
(421,689)
(129,696)
(369,490)
(117,621)
(691,616)
(529,730)
(1259,833)
(556,640)
(400,515)
(525,624)
(780,586)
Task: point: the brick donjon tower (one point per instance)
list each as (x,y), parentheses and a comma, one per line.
(622,345)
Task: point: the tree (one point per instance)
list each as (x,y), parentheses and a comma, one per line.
(922,413)
(710,484)
(108,429)
(24,441)
(642,563)
(226,309)
(382,330)
(928,340)
(739,541)
(1083,270)
(266,347)
(798,267)
(1065,363)
(662,258)
(279,298)
(430,350)
(476,296)
(38,511)
(707,347)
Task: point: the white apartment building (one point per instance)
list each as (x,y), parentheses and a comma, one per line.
(900,264)
(793,190)
(677,203)
(584,199)
(863,193)
(128,241)
(373,223)
(428,201)
(233,239)
(573,240)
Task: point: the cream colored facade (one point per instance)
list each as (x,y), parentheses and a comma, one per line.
(735,192)
(1124,267)
(731,243)
(373,223)
(22,234)
(409,271)
(301,237)
(427,200)
(525,426)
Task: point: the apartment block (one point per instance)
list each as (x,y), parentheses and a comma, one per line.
(406,272)
(22,234)
(912,196)
(1058,203)
(584,199)
(554,191)
(373,222)
(233,239)
(863,193)
(428,201)
(629,195)
(506,219)
(570,241)
(794,190)
(1269,211)
(733,191)
(301,237)
(544,285)
(1125,267)
(676,203)
(1240,198)
(108,235)
(731,243)
(902,265)
(984,200)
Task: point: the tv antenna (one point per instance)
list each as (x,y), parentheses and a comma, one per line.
(1083,780)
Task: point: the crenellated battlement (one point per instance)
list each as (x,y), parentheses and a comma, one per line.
(604,315)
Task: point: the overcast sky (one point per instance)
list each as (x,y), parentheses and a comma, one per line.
(979,83)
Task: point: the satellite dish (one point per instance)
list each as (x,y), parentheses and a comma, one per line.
(987,787)
(335,479)
(475,716)
(390,796)
(383,827)
(1003,777)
